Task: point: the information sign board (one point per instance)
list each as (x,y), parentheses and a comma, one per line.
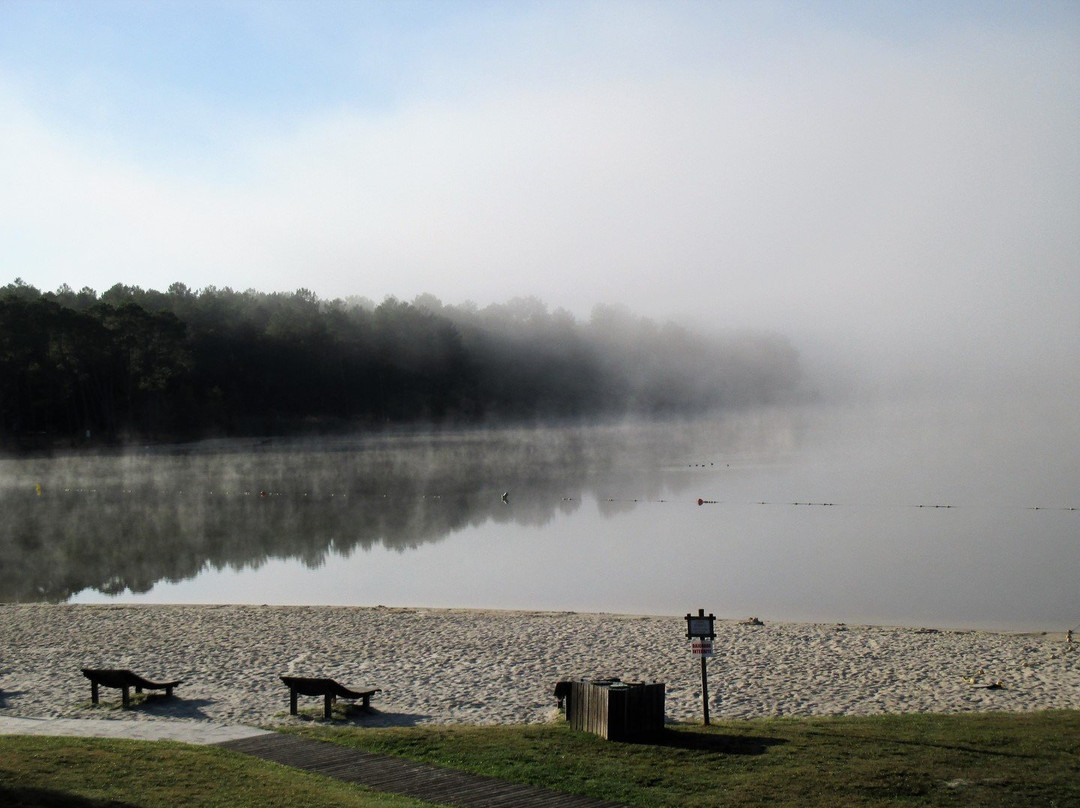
(702,648)
(700,625)
(700,632)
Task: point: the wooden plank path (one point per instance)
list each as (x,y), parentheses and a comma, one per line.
(397,776)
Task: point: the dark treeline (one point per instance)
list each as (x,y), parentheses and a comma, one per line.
(148,365)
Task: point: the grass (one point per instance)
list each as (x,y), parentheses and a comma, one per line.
(985,759)
(49,772)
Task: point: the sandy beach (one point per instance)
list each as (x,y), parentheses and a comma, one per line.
(499,667)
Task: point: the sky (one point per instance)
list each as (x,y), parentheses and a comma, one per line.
(896,182)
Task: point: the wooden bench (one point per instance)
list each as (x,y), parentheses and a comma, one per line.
(124,680)
(328,689)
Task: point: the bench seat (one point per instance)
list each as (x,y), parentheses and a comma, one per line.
(328,689)
(123,679)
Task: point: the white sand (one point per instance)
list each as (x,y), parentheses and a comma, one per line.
(489,667)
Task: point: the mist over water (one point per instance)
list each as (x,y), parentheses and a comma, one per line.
(927,512)
(875,211)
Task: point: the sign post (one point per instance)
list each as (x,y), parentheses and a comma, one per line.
(699,630)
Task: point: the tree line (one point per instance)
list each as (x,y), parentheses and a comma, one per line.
(135,364)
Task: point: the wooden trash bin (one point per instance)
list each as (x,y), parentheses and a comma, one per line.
(616,710)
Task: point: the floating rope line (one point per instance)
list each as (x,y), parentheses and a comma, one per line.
(618,499)
(939,506)
(42,491)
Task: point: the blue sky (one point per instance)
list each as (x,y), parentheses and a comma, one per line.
(904,177)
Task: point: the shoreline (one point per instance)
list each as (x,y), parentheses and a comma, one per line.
(486,666)
(989,628)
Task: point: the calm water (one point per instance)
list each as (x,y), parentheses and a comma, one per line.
(815,514)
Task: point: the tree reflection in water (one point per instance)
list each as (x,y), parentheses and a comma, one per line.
(127,521)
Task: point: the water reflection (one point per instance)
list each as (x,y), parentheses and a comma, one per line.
(123,523)
(595,519)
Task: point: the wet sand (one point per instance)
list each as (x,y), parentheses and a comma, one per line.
(440,666)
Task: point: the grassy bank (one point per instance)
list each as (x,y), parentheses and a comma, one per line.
(999,759)
(96,773)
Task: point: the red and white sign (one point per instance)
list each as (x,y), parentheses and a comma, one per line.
(702,647)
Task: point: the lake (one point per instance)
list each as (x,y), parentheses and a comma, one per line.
(945,514)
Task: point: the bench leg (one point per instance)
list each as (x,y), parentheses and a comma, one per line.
(127,696)
(168,692)
(292,701)
(367,700)
(138,688)
(93,693)
(328,702)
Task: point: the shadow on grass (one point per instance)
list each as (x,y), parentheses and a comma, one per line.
(351,716)
(884,740)
(711,742)
(17,797)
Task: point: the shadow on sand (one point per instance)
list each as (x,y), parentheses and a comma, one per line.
(173,707)
(157,704)
(5,694)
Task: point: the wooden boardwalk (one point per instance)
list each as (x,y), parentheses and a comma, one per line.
(397,776)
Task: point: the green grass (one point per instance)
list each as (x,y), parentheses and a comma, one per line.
(996,759)
(94,773)
(984,759)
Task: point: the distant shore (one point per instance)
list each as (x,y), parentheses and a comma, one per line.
(439,666)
